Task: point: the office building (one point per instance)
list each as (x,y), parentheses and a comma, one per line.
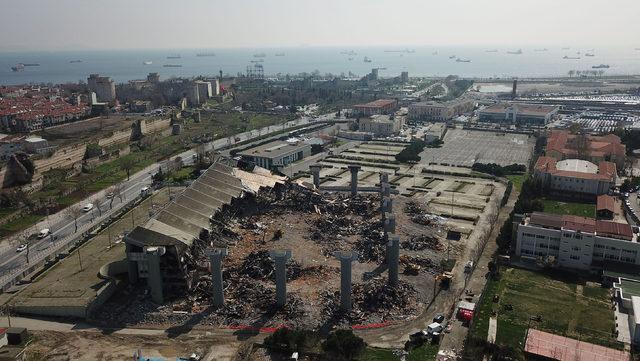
(440,111)
(404,77)
(575,176)
(103,86)
(576,242)
(516,113)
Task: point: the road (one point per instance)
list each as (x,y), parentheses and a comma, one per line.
(62,224)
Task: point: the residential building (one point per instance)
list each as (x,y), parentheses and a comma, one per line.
(10,144)
(404,77)
(27,114)
(517,113)
(276,154)
(381,125)
(576,242)
(380,106)
(575,176)
(563,145)
(153,78)
(440,111)
(103,86)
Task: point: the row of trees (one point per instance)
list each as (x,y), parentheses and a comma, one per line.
(497,170)
(339,345)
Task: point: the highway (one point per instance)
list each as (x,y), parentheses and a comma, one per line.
(62,224)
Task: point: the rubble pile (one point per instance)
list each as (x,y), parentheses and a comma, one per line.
(371,247)
(414,265)
(413,208)
(260,265)
(376,301)
(422,242)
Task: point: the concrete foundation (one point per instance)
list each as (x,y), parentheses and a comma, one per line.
(315,171)
(346,258)
(280,258)
(216,255)
(393,258)
(154,276)
(354,169)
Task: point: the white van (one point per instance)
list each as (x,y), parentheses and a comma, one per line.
(43,233)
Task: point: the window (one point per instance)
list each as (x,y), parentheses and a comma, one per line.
(574,257)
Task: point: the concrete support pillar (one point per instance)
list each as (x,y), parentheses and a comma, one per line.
(216,255)
(354,169)
(384,177)
(346,258)
(387,205)
(315,171)
(389,226)
(393,258)
(132,266)
(154,275)
(386,191)
(280,258)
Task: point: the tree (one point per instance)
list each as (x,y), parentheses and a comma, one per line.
(98,202)
(343,345)
(75,211)
(127,164)
(571,73)
(118,190)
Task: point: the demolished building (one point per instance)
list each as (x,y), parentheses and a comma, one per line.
(156,251)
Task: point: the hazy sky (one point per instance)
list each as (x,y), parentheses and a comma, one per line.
(114,24)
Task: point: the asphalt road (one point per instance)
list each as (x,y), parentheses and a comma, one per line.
(62,224)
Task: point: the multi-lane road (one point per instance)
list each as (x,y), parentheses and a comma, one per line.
(62,225)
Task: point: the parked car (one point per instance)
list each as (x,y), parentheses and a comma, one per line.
(439,318)
(434,327)
(110,195)
(22,247)
(145,191)
(87,207)
(43,233)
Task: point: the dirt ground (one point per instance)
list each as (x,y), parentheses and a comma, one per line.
(64,346)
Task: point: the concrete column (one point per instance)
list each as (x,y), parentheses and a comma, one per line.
(215,261)
(386,191)
(354,169)
(393,258)
(280,258)
(387,205)
(315,171)
(154,275)
(346,258)
(384,177)
(132,266)
(389,223)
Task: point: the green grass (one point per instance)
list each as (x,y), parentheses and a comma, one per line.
(378,354)
(517,180)
(426,352)
(568,307)
(569,208)
(19,224)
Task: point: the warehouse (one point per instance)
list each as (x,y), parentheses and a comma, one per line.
(529,114)
(276,154)
(576,242)
(440,111)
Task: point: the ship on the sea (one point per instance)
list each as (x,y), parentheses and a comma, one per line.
(260,55)
(491,51)
(279,54)
(18,67)
(601,66)
(172,66)
(366,60)
(452,57)
(205,54)
(350,52)
(571,57)
(517,52)
(589,54)
(30,64)
(176,56)
(75,61)
(543,49)
(463,60)
(148,62)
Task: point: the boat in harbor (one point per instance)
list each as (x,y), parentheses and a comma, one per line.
(205,54)
(570,57)
(148,62)
(366,60)
(517,52)
(172,66)
(452,57)
(589,54)
(260,55)
(463,60)
(601,66)
(18,67)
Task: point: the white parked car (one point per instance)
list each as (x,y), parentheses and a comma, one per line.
(43,233)
(87,207)
(22,247)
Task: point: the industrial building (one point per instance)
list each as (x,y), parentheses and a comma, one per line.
(575,176)
(564,145)
(103,86)
(276,154)
(440,111)
(628,296)
(381,125)
(380,106)
(575,242)
(516,113)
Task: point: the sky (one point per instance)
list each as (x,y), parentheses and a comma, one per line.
(27,25)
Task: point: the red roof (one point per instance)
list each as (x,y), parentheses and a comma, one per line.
(615,229)
(576,223)
(606,202)
(606,170)
(598,146)
(561,348)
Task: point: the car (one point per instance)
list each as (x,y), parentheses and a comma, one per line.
(626,195)
(145,191)
(439,318)
(43,233)
(87,207)
(22,247)
(110,195)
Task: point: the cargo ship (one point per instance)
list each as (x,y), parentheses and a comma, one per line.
(172,66)
(571,57)
(205,54)
(75,61)
(18,67)
(517,52)
(260,55)
(177,56)
(601,66)
(463,60)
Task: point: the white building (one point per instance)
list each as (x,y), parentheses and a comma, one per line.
(576,242)
(381,125)
(628,296)
(276,154)
(575,175)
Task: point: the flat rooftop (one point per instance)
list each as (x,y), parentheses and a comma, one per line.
(577,165)
(628,287)
(274,149)
(522,109)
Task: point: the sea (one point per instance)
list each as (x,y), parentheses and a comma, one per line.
(483,62)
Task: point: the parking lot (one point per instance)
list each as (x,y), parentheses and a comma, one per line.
(465,147)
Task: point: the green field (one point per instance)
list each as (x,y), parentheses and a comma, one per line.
(426,352)
(517,180)
(566,305)
(569,208)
